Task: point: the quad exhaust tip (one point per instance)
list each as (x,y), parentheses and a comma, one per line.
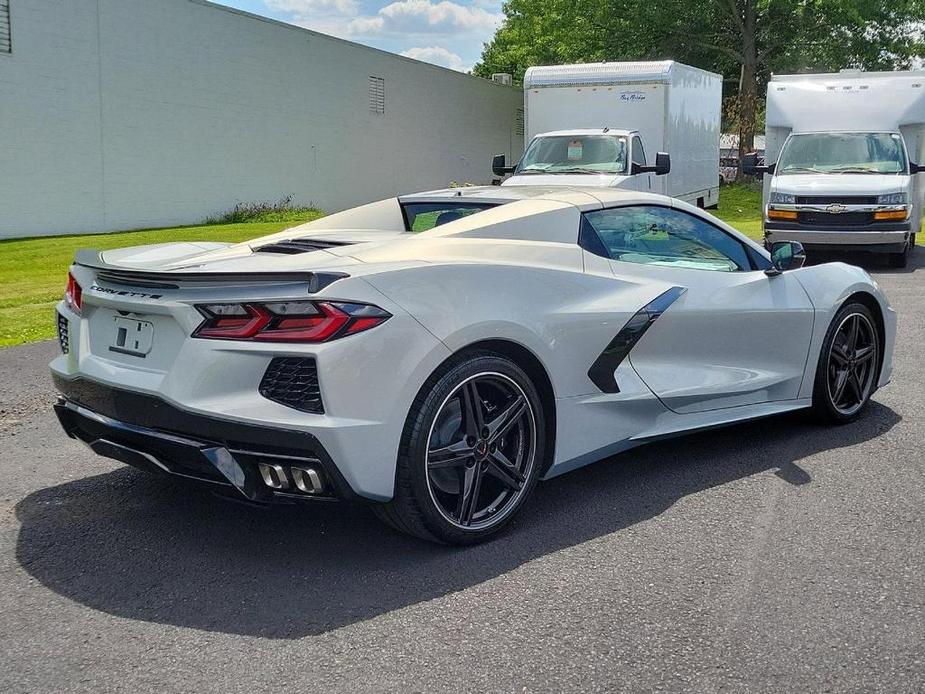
(304,479)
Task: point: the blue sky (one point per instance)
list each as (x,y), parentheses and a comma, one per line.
(444,32)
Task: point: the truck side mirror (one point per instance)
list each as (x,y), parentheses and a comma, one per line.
(786,255)
(498,165)
(915,168)
(750,166)
(662,165)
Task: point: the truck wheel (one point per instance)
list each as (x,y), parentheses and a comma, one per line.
(900,260)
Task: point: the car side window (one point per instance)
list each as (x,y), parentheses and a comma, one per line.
(652,235)
(639,154)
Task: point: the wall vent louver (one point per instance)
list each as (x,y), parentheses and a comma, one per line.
(377,95)
(6,39)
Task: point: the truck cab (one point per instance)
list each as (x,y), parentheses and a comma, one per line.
(850,189)
(841,153)
(611,125)
(586,157)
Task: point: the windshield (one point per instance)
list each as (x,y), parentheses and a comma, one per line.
(836,153)
(594,154)
(422,216)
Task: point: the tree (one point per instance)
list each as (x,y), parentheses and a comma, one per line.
(744,40)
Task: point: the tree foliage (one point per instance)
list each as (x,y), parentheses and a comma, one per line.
(744,40)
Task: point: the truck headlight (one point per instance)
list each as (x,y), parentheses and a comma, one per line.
(892,199)
(783,199)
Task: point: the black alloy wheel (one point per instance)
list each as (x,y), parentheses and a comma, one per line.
(848,366)
(471,453)
(480,450)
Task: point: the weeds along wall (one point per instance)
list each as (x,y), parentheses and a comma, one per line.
(124,114)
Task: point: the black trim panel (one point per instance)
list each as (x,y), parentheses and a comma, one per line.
(602,370)
(147,412)
(590,240)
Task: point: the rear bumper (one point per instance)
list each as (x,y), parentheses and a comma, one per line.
(157,437)
(885,238)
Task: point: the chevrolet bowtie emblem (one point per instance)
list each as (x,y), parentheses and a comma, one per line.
(836,209)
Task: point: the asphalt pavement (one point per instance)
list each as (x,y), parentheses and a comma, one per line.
(775,556)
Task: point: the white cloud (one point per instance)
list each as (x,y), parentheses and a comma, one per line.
(425,16)
(438,56)
(366,25)
(327,16)
(305,9)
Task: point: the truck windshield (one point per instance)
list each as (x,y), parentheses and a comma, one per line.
(593,154)
(837,153)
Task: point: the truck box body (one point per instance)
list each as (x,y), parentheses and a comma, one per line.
(675,107)
(849,102)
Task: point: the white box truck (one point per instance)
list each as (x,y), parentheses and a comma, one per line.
(604,123)
(841,156)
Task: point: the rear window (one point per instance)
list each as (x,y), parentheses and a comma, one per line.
(421,216)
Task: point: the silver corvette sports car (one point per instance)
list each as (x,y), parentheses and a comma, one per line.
(436,355)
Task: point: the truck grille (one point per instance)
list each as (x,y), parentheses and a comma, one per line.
(836,199)
(63,336)
(293,382)
(847,219)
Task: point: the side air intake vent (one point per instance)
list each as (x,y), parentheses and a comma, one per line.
(294,246)
(63,336)
(293,382)
(602,370)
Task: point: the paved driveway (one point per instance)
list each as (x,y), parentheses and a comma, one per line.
(775,556)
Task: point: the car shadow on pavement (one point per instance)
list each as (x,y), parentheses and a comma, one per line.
(145,548)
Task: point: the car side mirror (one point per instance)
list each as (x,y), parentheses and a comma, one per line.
(751,167)
(499,165)
(662,165)
(786,255)
(915,168)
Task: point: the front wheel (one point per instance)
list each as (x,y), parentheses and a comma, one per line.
(901,260)
(470,454)
(849,362)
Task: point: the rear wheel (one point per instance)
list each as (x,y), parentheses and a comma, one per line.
(848,365)
(470,454)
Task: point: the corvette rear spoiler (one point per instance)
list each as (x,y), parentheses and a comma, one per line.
(115,274)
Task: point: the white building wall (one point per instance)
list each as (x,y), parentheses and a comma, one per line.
(121,114)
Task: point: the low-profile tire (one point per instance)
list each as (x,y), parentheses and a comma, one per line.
(471,452)
(848,367)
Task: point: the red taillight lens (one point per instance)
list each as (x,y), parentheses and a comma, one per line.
(233,321)
(73,294)
(287,321)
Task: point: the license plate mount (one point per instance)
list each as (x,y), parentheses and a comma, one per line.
(132,336)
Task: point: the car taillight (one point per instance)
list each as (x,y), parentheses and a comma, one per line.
(73,294)
(287,321)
